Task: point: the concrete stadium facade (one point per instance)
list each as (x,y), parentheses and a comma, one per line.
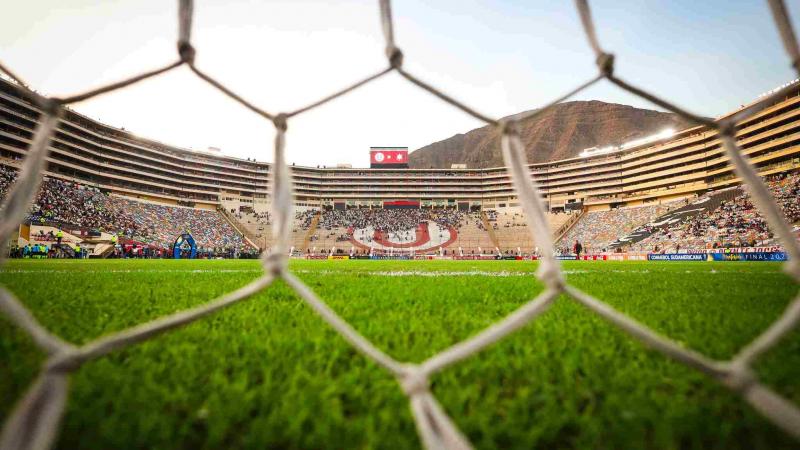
(689,162)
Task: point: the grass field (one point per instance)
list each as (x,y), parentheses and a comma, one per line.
(268,373)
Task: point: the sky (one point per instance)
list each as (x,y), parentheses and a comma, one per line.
(498,56)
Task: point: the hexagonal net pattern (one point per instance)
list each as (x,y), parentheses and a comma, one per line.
(34,422)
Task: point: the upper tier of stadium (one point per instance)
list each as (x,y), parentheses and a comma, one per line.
(113,160)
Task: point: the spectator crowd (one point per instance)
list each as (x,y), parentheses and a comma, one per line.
(389,220)
(399,224)
(734,223)
(64,203)
(596,230)
(159,225)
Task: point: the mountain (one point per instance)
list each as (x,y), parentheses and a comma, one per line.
(562,132)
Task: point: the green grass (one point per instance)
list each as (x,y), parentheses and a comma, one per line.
(268,373)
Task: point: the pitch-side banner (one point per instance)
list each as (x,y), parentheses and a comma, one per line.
(751,256)
(582,257)
(766,249)
(627,257)
(676,257)
(391,257)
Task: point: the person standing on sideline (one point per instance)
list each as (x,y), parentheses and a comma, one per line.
(578,248)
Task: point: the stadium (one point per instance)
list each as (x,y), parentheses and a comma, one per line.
(466,292)
(158,191)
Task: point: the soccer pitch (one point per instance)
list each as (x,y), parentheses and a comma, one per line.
(268,373)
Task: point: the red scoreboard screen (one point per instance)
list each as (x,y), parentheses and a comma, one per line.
(388,157)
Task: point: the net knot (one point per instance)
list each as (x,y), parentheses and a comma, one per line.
(414,381)
(48,106)
(275,263)
(549,274)
(739,378)
(507,126)
(395,56)
(64,361)
(186,52)
(726,128)
(281,121)
(605,62)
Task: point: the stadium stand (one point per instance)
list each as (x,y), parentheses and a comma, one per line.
(723,218)
(473,238)
(514,235)
(617,191)
(691,162)
(7,176)
(160,225)
(255,226)
(370,229)
(597,230)
(338,229)
(304,230)
(65,203)
(62,202)
(703,205)
(730,220)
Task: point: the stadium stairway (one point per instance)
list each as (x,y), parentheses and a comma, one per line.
(489,230)
(513,232)
(260,231)
(328,238)
(471,237)
(239,227)
(312,229)
(564,227)
(102,251)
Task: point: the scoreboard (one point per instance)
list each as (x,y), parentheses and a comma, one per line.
(388,157)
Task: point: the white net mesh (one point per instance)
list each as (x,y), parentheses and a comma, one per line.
(34,422)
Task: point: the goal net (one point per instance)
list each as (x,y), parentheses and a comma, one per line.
(34,422)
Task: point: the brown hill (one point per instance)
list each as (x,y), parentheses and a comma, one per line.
(563,132)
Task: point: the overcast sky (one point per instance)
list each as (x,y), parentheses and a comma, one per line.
(501,56)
